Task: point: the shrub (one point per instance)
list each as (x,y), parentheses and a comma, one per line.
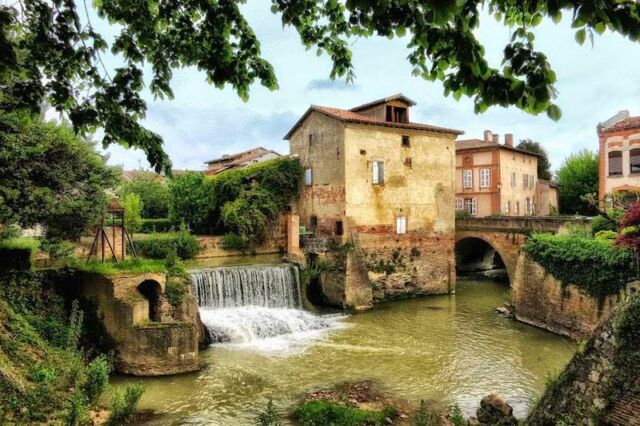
(268,417)
(77,413)
(455,416)
(175,291)
(627,323)
(149,226)
(316,413)
(606,235)
(57,249)
(160,246)
(123,405)
(132,212)
(240,243)
(594,265)
(97,378)
(425,416)
(153,192)
(462,214)
(601,223)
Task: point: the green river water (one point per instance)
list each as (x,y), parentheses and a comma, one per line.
(451,349)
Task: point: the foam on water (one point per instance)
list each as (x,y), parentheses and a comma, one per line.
(257,307)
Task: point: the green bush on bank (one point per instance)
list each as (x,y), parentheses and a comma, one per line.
(601,223)
(150,226)
(316,413)
(161,246)
(592,264)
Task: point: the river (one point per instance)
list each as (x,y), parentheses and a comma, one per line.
(451,349)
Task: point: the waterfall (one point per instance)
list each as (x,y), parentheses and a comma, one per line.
(244,304)
(270,286)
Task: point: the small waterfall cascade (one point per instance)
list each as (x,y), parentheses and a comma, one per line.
(243,304)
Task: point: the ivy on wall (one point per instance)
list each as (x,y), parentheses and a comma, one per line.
(594,265)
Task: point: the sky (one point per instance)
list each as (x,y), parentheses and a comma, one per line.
(202,123)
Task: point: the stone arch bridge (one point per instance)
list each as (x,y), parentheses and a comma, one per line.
(484,243)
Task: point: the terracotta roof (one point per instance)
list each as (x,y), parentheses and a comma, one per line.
(548,182)
(395,97)
(626,124)
(478,144)
(255,152)
(219,165)
(349,116)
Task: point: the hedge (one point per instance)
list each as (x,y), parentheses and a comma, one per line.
(149,226)
(593,265)
(161,246)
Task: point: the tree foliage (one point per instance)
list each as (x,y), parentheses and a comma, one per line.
(153,192)
(630,229)
(577,178)
(50,53)
(132,212)
(544,165)
(49,176)
(189,196)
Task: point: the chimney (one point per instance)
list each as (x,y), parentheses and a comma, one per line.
(508,140)
(487,135)
(496,138)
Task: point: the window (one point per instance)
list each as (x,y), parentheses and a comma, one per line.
(513,179)
(517,212)
(310,138)
(459,204)
(377,168)
(389,113)
(485,178)
(308,176)
(507,207)
(339,227)
(527,206)
(406,143)
(467,178)
(525,180)
(313,223)
(471,206)
(532,182)
(401,225)
(615,163)
(400,115)
(634,160)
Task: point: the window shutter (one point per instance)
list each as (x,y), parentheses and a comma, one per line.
(615,163)
(474,206)
(380,172)
(634,160)
(401,225)
(308,177)
(375,172)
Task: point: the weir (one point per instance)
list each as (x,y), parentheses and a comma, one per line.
(241,304)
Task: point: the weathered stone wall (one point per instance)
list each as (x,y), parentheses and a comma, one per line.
(541,300)
(144,347)
(600,385)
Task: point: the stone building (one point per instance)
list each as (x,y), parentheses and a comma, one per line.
(619,147)
(494,178)
(239,160)
(378,181)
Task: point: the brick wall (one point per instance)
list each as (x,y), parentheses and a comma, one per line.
(542,300)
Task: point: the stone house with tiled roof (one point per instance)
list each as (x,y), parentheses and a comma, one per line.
(619,149)
(239,160)
(494,178)
(377,180)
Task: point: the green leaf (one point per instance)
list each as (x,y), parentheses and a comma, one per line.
(553,112)
(580,36)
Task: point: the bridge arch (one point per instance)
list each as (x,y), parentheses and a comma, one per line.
(484,248)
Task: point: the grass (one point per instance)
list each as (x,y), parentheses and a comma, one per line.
(329,413)
(22,243)
(134,266)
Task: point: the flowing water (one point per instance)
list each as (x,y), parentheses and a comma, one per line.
(452,349)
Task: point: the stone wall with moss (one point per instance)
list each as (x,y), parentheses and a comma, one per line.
(601,384)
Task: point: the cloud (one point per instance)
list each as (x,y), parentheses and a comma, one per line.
(328,84)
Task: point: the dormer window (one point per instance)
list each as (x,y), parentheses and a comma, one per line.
(396,114)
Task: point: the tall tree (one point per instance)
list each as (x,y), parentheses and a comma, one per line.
(544,166)
(50,176)
(153,192)
(47,52)
(577,178)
